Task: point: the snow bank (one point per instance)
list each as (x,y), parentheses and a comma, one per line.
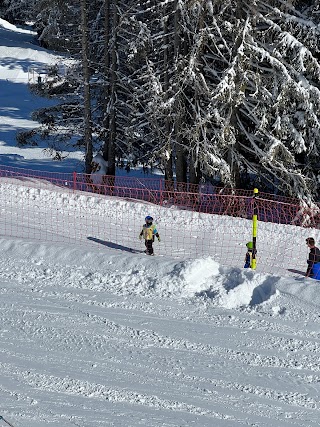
(14,28)
(225,287)
(109,271)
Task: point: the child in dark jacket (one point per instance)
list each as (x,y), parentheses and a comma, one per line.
(313,261)
(148,232)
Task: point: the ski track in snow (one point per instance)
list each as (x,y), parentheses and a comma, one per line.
(120,335)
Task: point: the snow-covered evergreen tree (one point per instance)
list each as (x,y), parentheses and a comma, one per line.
(207,88)
(244,90)
(272,85)
(17,11)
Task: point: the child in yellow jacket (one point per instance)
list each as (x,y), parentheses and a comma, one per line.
(148,232)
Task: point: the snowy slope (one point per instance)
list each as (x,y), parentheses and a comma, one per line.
(93,336)
(106,338)
(21,59)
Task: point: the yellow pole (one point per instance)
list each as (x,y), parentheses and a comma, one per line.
(254,230)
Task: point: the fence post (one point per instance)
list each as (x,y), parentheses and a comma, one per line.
(161,195)
(74,181)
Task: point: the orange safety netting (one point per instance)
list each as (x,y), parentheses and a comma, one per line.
(193,220)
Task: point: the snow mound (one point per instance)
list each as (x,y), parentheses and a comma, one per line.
(196,280)
(225,287)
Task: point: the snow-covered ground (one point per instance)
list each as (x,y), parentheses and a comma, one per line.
(22,61)
(95,336)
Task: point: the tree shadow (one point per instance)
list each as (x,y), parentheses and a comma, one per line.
(112,245)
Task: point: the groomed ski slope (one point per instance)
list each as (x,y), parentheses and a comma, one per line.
(98,336)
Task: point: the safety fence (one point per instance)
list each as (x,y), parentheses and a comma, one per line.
(204,198)
(193,220)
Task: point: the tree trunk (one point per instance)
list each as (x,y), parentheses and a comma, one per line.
(113,91)
(194,172)
(194,166)
(181,161)
(107,32)
(86,84)
(168,161)
(231,157)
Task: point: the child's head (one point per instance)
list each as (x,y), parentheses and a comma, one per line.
(310,241)
(249,246)
(148,220)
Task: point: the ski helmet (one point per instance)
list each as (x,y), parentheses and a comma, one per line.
(148,219)
(249,245)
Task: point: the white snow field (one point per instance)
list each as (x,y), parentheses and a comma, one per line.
(21,61)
